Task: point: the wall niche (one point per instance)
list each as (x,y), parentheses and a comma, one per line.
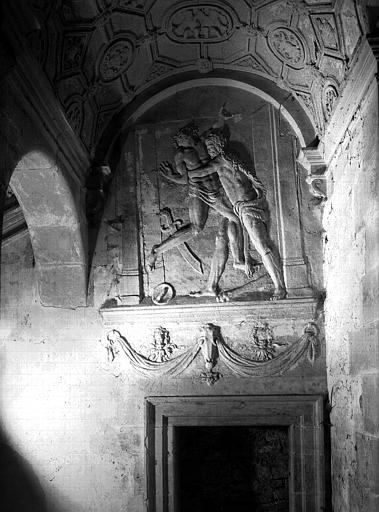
(191,239)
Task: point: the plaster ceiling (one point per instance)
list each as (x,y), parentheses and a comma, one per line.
(100,55)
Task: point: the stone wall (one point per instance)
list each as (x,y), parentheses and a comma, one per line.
(352,304)
(73,406)
(73,420)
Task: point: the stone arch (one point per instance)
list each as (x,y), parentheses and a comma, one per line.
(299,118)
(57,229)
(287,230)
(109,148)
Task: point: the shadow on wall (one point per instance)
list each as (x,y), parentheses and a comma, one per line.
(20,490)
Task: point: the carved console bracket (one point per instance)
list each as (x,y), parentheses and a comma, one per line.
(312,159)
(214,350)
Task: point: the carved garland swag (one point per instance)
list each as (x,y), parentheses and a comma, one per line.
(214,349)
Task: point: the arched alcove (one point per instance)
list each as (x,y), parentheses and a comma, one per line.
(267,135)
(56,228)
(123,120)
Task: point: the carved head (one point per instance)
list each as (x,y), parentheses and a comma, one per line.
(207,342)
(187,136)
(215,142)
(161,337)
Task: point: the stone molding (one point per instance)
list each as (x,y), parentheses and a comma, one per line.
(38,99)
(214,349)
(302,414)
(317,159)
(304,308)
(43,108)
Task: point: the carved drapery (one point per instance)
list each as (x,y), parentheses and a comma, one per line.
(214,350)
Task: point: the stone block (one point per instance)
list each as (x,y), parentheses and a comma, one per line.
(368,461)
(373,503)
(53,244)
(364,348)
(372,245)
(369,402)
(63,285)
(370,286)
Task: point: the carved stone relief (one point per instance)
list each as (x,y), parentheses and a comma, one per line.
(210,343)
(162,294)
(329,98)
(116,59)
(204,65)
(74,115)
(326,28)
(158,69)
(208,172)
(72,53)
(130,4)
(169,227)
(161,347)
(210,23)
(287,46)
(67,49)
(249,62)
(263,342)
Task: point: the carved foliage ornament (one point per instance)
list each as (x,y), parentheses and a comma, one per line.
(116,59)
(202,22)
(287,46)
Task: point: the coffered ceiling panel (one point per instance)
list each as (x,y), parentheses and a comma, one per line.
(100,55)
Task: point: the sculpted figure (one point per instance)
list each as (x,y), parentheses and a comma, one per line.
(247,195)
(205,191)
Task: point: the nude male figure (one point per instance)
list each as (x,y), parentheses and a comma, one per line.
(204,192)
(247,195)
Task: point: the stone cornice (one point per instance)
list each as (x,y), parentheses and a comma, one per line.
(209,312)
(36,96)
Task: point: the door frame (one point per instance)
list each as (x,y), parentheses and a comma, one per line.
(302,414)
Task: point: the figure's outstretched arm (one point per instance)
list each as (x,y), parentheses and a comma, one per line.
(207,170)
(171,174)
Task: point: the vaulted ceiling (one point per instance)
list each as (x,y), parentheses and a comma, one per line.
(100,55)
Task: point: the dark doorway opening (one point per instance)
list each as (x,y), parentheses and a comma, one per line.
(232,469)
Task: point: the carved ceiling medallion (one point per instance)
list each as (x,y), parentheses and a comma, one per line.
(116,59)
(203,22)
(287,46)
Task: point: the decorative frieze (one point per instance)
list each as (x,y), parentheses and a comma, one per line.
(263,361)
